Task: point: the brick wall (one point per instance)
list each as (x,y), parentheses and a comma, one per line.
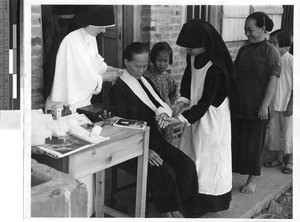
(163,23)
(37,99)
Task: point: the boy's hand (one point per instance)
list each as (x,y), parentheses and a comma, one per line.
(288,111)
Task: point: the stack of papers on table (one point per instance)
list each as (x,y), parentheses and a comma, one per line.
(76,139)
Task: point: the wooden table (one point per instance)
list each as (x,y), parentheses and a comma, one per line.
(124,144)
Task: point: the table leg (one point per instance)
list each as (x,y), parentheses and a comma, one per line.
(99,194)
(141,185)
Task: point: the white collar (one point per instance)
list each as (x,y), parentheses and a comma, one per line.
(137,89)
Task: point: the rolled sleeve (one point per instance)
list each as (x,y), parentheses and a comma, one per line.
(183,119)
(274,62)
(161,110)
(99,84)
(183,99)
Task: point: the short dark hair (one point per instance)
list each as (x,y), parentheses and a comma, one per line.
(283,37)
(158,47)
(133,49)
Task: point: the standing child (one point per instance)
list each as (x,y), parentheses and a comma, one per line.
(162,56)
(281,125)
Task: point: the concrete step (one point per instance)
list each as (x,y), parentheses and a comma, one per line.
(270,185)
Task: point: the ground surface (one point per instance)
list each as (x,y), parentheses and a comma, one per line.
(282,208)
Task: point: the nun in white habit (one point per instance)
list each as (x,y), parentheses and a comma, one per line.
(79,69)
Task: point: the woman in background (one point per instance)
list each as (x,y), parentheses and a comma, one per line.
(257,67)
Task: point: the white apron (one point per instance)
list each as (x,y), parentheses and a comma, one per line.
(208,141)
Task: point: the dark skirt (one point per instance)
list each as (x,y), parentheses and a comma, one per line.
(172,184)
(248,138)
(203,203)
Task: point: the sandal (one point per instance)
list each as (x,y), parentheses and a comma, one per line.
(275,163)
(288,170)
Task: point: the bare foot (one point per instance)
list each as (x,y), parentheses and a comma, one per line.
(168,214)
(248,188)
(177,214)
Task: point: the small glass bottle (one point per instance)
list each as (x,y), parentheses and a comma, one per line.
(66,110)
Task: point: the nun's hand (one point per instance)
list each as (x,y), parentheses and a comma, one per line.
(172,120)
(161,120)
(154,159)
(178,108)
(111,74)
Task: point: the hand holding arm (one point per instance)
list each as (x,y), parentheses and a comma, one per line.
(111,74)
(161,120)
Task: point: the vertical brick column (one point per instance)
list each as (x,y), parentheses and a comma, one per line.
(37,99)
(166,23)
(163,23)
(145,24)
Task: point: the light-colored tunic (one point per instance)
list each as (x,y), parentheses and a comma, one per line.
(285,83)
(281,126)
(208,141)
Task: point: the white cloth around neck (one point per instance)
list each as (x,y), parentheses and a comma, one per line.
(137,89)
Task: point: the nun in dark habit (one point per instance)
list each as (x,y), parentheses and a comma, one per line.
(74,70)
(172,176)
(207,103)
